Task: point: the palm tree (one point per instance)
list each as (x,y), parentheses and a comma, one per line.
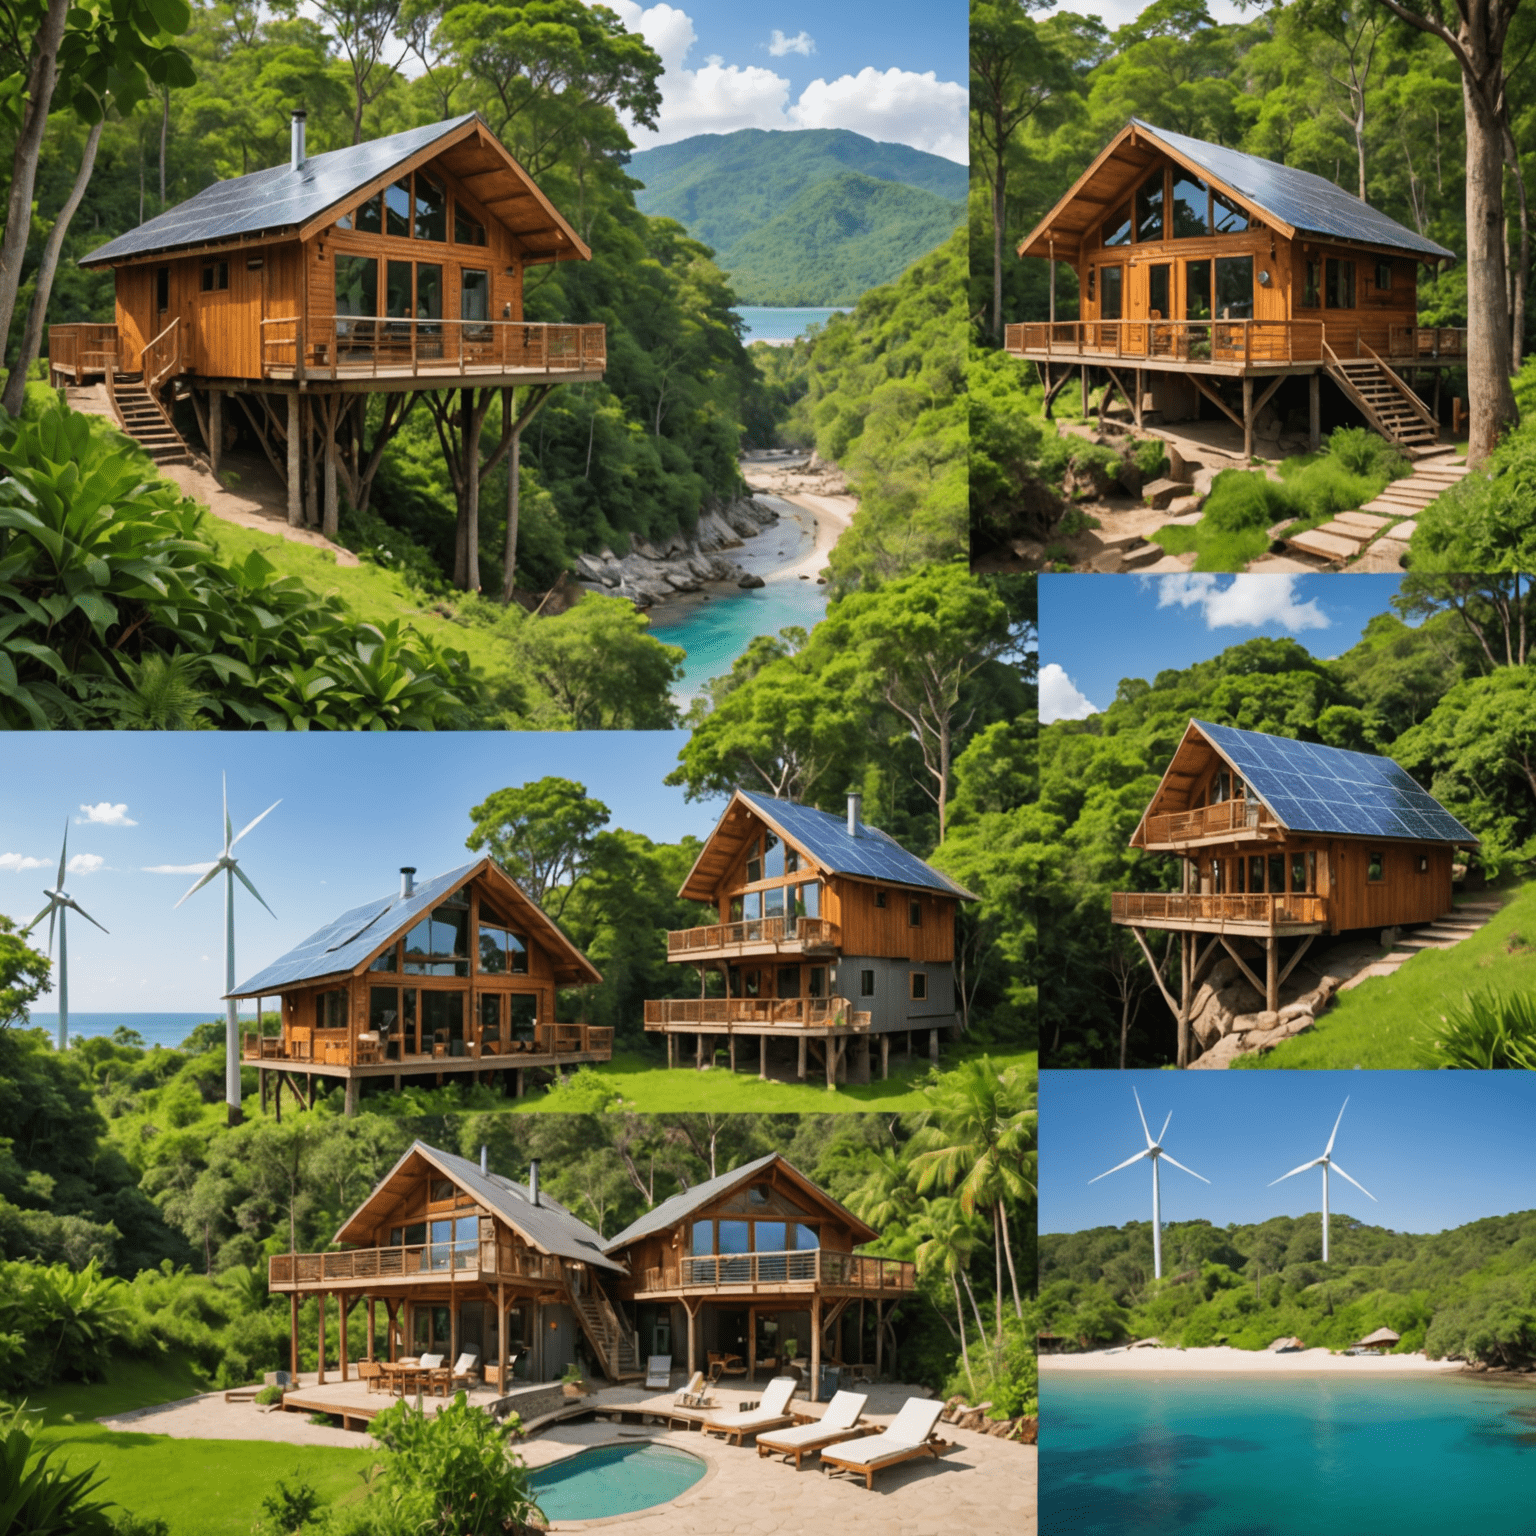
(886,1198)
(980,1141)
(947,1239)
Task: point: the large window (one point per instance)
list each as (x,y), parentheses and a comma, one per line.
(503,951)
(773,901)
(369,219)
(385,962)
(1197,290)
(1191,207)
(442,1019)
(808,899)
(1158,302)
(1116,229)
(431,203)
(754,863)
(429,291)
(397,209)
(789,981)
(522,1016)
(331,1010)
(773,857)
(1340,283)
(467,230)
(439,944)
(1227,217)
(384,1012)
(490,1016)
(1149,208)
(1111,292)
(735,1236)
(357,285)
(397,290)
(1312,286)
(703,1238)
(751,906)
(474,294)
(1234,287)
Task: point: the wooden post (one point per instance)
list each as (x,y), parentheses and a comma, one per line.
(1315,411)
(519,1082)
(311,479)
(1247,417)
(1272,972)
(879,1340)
(1051,265)
(731,1043)
(698,1051)
(216,436)
(885,1057)
(392,1307)
(261,1079)
(351,1097)
(330,513)
(471,440)
(344,1305)
(1136,412)
(512,429)
(501,1336)
(295,464)
(829,1055)
(762,1057)
(324,1300)
(372,1326)
(293,1337)
(816,1347)
(1084,372)
(751,1345)
(453,1319)
(801,1069)
(693,1338)
(933,1046)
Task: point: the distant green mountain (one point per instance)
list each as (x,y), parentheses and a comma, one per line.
(815,216)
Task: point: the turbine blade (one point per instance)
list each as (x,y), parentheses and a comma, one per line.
(225,779)
(1358,1185)
(76,907)
(1182,1169)
(240,876)
(53,916)
(202,880)
(1118,1166)
(248,827)
(36,920)
(1144,1131)
(1294,1171)
(1329,1147)
(1166,1123)
(58,884)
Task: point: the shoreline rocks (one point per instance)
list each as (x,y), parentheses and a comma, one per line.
(650,574)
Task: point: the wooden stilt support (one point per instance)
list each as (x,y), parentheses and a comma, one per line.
(295,464)
(1290,965)
(933,1046)
(1247,417)
(501,1336)
(816,1346)
(800,1069)
(372,1328)
(698,1051)
(1272,973)
(351,1097)
(293,1336)
(344,1304)
(730,1040)
(1315,411)
(215,429)
(1083,371)
(324,1300)
(885,1057)
(278,1079)
(330,513)
(762,1057)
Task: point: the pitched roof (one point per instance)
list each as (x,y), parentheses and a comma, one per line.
(870,854)
(280,201)
(1300,201)
(683,1204)
(548,1226)
(1313,788)
(340,947)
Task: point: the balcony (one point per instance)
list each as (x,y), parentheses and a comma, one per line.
(754,1014)
(1257,915)
(805,1269)
(1231,346)
(1227,821)
(79,352)
(429,1263)
(758,936)
(314,1049)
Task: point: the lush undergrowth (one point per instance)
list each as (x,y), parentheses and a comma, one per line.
(1391,1021)
(1353,468)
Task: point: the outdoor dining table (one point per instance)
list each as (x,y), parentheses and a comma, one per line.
(402,1375)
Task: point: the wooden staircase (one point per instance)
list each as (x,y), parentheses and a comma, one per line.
(616,1348)
(1385,401)
(144,419)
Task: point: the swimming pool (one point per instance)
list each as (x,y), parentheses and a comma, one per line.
(614,1480)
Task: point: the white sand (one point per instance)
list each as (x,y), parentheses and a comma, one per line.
(1224,1359)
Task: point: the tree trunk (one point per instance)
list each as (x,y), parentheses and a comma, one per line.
(32,337)
(1013,1274)
(1523,268)
(999,217)
(514,493)
(29,147)
(1491,399)
(165,128)
(965,1354)
(997,1259)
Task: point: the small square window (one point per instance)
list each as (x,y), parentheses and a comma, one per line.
(1383,277)
(1373,870)
(1423,863)
(866,983)
(914,914)
(919,986)
(442,1189)
(879,898)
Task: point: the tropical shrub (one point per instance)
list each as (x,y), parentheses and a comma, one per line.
(56,1322)
(118,613)
(38,1497)
(1488,1030)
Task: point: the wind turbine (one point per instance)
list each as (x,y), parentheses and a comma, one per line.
(60,905)
(1325,1162)
(1154,1151)
(229,866)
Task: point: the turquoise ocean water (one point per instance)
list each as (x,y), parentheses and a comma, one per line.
(770,323)
(168,1029)
(1302,1456)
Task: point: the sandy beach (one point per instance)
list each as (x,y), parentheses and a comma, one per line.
(1224,1359)
(820,491)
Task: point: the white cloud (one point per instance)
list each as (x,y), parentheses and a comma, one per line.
(1246,602)
(105,814)
(85,863)
(179,869)
(898,106)
(19,863)
(802,42)
(1060,697)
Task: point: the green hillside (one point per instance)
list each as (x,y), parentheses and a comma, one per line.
(838,240)
(811,217)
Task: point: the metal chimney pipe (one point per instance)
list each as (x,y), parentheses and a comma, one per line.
(855,804)
(296,157)
(407,881)
(533,1181)
(484,1156)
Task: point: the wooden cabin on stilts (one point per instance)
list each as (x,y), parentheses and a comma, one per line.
(293,297)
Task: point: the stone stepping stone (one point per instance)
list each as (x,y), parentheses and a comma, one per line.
(1142,557)
(1184,520)
(1160,492)
(1404,531)
(1171,563)
(1315,541)
(1391,508)
(1278,565)
(1363,520)
(1358,536)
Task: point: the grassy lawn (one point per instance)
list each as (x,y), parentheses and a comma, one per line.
(195,1486)
(1384,1021)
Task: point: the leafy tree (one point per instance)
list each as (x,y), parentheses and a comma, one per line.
(540,833)
(24,974)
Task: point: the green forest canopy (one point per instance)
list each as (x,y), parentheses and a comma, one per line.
(1442,685)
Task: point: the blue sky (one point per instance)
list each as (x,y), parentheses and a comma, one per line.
(1096,630)
(1436,1149)
(355,807)
(892,71)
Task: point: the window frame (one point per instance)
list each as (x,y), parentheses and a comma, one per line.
(917,986)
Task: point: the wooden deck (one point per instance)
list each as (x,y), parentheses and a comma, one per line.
(757,936)
(789,1274)
(1255,916)
(790,1016)
(352,1402)
(414,1065)
(1228,821)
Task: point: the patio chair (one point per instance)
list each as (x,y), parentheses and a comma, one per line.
(693,1395)
(372,1372)
(436,1376)
(840,1422)
(772,1413)
(658,1372)
(910,1435)
(466,1369)
(725,1365)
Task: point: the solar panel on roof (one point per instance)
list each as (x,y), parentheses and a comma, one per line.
(1302,200)
(1313,788)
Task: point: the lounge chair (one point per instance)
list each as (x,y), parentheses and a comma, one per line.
(693,1395)
(466,1369)
(658,1372)
(725,1365)
(910,1434)
(771,1413)
(839,1422)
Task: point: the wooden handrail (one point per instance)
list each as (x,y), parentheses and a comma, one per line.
(752,1012)
(820,1266)
(754,930)
(148,347)
(1264,909)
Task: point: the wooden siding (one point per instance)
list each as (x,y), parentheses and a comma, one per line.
(1402,895)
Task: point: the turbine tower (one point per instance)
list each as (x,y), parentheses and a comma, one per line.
(60,905)
(229,866)
(1325,1162)
(1154,1151)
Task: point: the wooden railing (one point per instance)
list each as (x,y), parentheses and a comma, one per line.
(1263,911)
(339,1047)
(802,932)
(1233,342)
(81,350)
(462,1259)
(1208,821)
(351,346)
(160,358)
(660,1012)
(816,1266)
